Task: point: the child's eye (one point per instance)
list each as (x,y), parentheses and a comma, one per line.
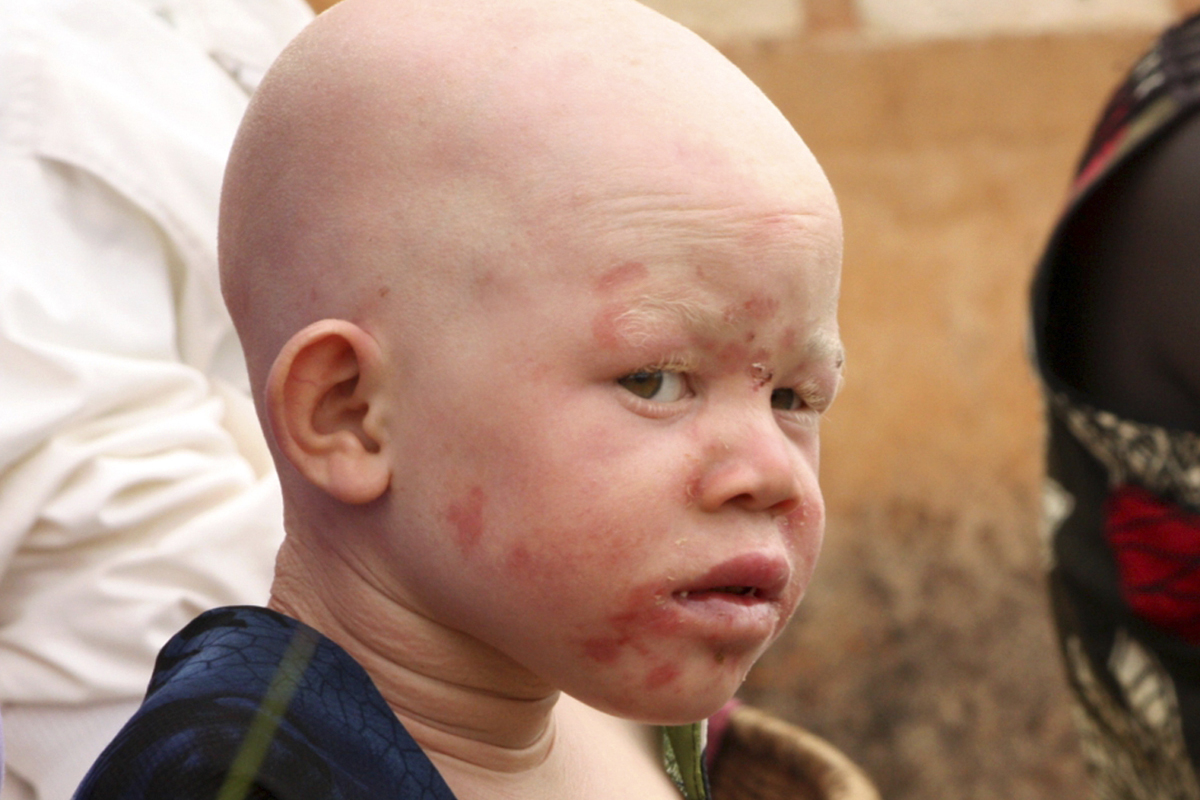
(656,385)
(786,400)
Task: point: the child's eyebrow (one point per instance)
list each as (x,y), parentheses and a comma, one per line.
(827,347)
(646,315)
(649,314)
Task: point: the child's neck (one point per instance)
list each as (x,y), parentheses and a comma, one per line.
(492,728)
(459,699)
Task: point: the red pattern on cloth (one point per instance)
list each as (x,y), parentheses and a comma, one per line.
(1157,547)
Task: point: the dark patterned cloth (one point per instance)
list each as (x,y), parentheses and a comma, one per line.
(1122,497)
(245,704)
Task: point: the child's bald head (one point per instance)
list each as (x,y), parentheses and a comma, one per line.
(539,297)
(398,151)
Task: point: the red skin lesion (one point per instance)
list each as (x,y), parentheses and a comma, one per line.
(618,276)
(605,650)
(661,675)
(466,519)
(605,329)
(648,615)
(760,309)
(756,309)
(520,560)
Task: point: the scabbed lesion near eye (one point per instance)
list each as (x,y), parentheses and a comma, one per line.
(761,375)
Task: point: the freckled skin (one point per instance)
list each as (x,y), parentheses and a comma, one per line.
(467,520)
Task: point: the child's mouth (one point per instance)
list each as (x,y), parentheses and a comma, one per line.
(737,591)
(749,578)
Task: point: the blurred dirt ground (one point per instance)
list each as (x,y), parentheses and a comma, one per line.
(923,649)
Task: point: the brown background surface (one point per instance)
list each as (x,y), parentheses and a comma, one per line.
(924,649)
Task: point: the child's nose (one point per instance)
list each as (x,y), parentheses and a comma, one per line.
(754,465)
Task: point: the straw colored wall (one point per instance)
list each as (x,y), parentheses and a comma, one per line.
(924,649)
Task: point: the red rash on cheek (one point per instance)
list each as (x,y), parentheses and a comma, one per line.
(519,560)
(661,675)
(467,520)
(648,615)
(604,650)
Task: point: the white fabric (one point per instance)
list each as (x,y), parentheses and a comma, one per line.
(64,740)
(135,489)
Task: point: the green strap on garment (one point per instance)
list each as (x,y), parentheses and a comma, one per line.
(244,770)
(683,756)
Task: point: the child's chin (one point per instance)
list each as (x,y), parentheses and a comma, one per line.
(659,707)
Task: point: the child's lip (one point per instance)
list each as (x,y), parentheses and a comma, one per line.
(748,578)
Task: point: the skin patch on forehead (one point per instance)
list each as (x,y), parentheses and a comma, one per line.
(621,275)
(756,309)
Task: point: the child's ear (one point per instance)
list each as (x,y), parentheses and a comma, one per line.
(323,403)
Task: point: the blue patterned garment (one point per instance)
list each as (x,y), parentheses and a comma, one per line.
(249,704)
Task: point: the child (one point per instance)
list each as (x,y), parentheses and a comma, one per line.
(538,299)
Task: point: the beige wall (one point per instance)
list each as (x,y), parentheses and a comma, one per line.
(924,647)
(732,20)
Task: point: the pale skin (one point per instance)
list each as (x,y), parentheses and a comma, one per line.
(542,350)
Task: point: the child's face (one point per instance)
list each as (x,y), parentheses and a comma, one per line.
(607,460)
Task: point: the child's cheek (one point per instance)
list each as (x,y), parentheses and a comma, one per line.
(647,616)
(465,519)
(805,530)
